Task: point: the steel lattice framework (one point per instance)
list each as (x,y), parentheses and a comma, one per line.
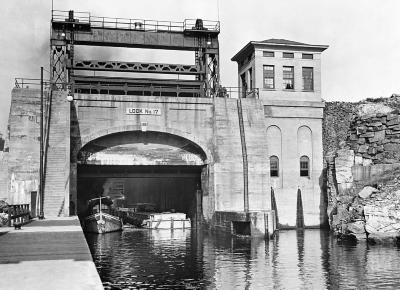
(200,36)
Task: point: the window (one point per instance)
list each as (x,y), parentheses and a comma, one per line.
(307,56)
(269,77)
(268,54)
(274,166)
(304,166)
(288,77)
(308,79)
(251,78)
(243,81)
(288,55)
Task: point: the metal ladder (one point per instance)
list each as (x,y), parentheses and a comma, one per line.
(244,154)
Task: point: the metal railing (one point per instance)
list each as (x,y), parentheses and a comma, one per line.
(92,88)
(194,24)
(136,24)
(62,16)
(29,83)
(18,214)
(237,92)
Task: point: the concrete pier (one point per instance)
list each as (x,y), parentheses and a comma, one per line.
(48,254)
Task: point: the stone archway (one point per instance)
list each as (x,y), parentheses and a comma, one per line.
(172,160)
(85,139)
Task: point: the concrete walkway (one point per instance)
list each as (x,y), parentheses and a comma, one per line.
(48,254)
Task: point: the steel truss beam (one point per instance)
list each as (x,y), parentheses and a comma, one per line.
(164,68)
(134,86)
(58,60)
(197,36)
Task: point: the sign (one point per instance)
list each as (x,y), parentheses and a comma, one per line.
(143,111)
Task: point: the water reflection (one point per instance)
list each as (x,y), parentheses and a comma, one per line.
(179,259)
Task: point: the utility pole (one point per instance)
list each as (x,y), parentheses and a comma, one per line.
(41,214)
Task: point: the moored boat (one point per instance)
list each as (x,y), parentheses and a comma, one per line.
(100,219)
(144,215)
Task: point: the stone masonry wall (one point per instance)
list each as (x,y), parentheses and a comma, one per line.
(339,117)
(375,138)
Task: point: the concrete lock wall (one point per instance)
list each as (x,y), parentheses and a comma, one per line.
(19,165)
(212,125)
(95,116)
(293,132)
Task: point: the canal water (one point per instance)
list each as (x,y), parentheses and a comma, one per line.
(179,259)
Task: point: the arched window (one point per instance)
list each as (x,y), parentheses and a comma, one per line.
(274,166)
(304,166)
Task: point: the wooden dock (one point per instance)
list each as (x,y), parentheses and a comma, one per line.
(48,254)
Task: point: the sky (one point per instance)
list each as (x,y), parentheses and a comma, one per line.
(362,60)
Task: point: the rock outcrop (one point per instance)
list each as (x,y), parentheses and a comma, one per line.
(364,206)
(362,150)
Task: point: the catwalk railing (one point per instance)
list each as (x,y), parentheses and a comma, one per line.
(236,92)
(135,24)
(27,83)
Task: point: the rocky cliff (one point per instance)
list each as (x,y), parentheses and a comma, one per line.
(341,118)
(362,150)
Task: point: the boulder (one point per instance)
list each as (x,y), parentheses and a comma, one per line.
(391,116)
(371,151)
(361,130)
(366,162)
(382,223)
(367,135)
(363,148)
(357,229)
(379,135)
(342,216)
(343,163)
(361,141)
(393,122)
(391,147)
(376,124)
(358,160)
(367,191)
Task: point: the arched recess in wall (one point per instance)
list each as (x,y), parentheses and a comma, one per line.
(305,146)
(274,143)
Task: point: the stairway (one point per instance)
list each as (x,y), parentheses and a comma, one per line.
(57,163)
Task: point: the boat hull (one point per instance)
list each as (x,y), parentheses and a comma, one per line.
(158,220)
(106,224)
(166,224)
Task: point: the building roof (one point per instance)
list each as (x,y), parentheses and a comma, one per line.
(276,43)
(282,41)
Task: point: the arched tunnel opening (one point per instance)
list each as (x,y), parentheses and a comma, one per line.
(142,168)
